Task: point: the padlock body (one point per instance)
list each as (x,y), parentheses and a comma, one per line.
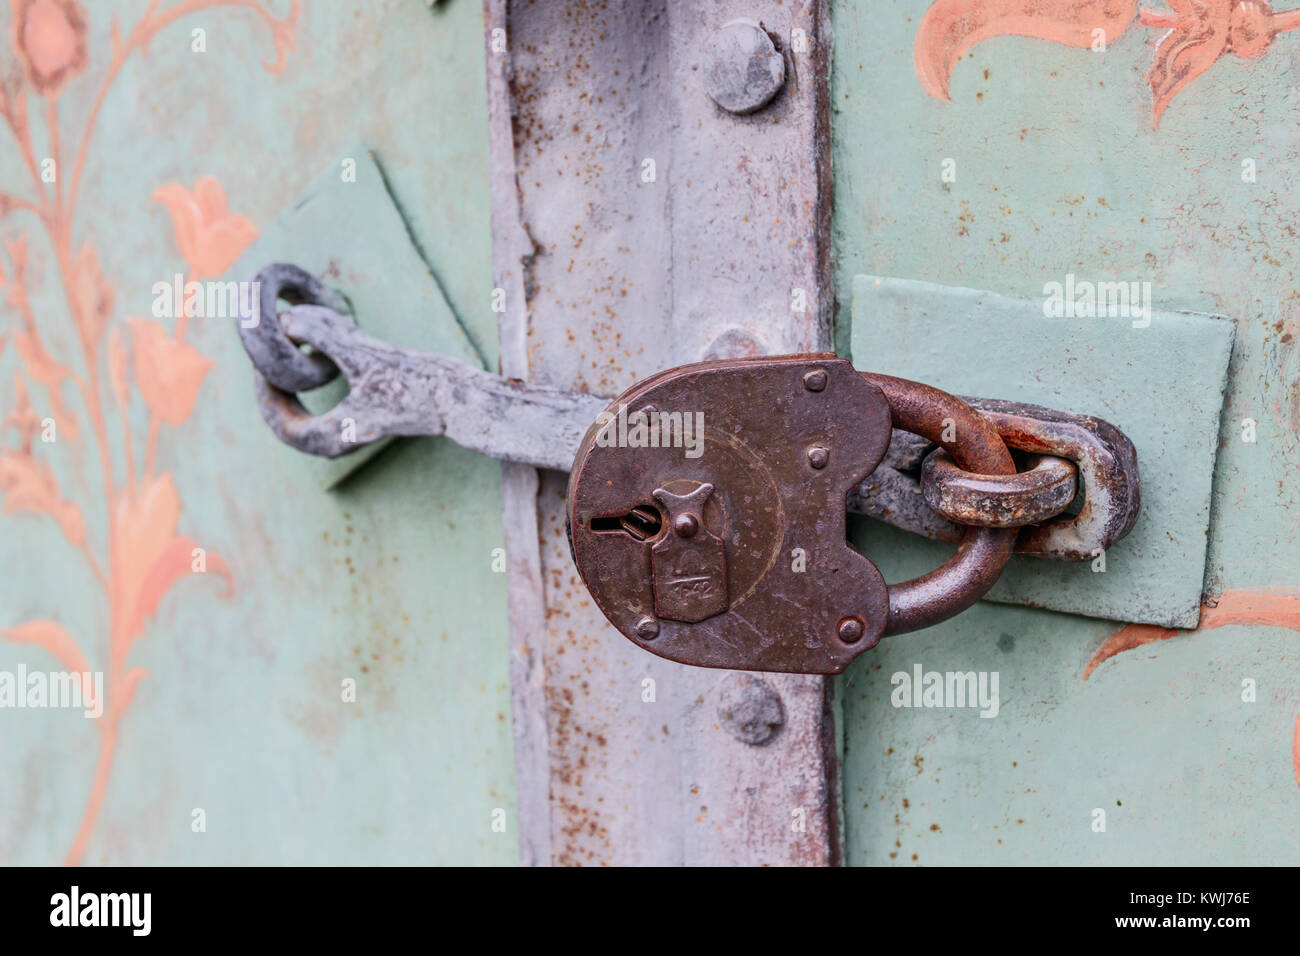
(706,512)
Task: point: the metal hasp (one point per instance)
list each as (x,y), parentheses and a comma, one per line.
(707,505)
(392,391)
(395,392)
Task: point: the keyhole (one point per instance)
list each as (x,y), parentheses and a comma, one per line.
(642,522)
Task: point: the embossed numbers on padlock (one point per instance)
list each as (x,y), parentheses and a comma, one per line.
(706,513)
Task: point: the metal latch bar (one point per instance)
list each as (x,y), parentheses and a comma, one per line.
(400,392)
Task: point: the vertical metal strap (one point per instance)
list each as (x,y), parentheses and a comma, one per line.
(638,225)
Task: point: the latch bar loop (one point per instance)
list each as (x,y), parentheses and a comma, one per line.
(1108,470)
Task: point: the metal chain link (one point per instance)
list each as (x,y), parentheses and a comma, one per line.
(1073,459)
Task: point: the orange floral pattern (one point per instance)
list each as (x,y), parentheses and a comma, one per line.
(1266,608)
(168,371)
(1197,34)
(146,553)
(210,236)
(50,38)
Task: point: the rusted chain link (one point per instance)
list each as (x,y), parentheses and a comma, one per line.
(1108,471)
(922,490)
(983,552)
(1043,490)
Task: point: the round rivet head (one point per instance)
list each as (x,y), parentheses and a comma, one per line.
(686,525)
(647,629)
(744,68)
(750,709)
(818,456)
(851,630)
(815,380)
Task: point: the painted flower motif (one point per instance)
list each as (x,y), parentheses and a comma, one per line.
(44,370)
(117,367)
(950,28)
(211,237)
(22,418)
(29,486)
(146,516)
(168,373)
(50,38)
(148,556)
(282,36)
(52,636)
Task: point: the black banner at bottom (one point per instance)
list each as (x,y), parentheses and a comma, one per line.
(334,906)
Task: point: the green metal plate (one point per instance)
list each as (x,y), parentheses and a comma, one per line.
(1162,384)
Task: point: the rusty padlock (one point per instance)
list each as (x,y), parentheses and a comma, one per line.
(706,506)
(707,513)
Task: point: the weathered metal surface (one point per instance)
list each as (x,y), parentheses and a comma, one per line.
(1107,465)
(1101,366)
(789,578)
(276,357)
(1043,490)
(892,493)
(1087,452)
(348,235)
(394,391)
(634,222)
(745,70)
(749,708)
(1081,447)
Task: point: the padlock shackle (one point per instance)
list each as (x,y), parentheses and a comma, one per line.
(982,553)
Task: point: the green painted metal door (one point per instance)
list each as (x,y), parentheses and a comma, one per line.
(311,663)
(291,674)
(1084,158)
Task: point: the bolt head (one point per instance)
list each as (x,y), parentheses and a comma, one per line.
(750,709)
(734,342)
(744,69)
(815,380)
(647,628)
(851,630)
(818,457)
(686,525)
